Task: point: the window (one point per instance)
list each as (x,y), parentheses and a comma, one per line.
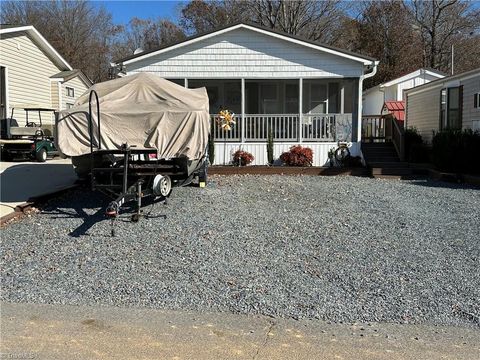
(443,107)
(451,108)
(291,98)
(476,101)
(69,105)
(318,99)
(70,92)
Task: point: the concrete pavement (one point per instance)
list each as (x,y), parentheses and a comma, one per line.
(80,332)
(19,181)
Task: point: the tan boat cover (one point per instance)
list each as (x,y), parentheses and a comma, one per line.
(141,110)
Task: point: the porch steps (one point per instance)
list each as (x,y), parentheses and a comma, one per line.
(383,161)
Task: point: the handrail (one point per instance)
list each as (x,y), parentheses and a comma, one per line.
(398,138)
(90,122)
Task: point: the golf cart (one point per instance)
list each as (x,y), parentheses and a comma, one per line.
(32,141)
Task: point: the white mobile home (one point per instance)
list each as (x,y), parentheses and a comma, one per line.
(33,73)
(374,98)
(449,103)
(300,91)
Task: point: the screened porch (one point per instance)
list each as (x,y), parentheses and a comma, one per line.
(291,110)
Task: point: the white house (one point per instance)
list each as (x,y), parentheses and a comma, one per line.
(302,92)
(449,103)
(33,73)
(374,98)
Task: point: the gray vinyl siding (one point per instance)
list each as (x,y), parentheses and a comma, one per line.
(469,113)
(423,108)
(243,53)
(79,88)
(54,85)
(423,112)
(29,71)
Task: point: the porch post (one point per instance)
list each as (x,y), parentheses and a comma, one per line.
(359,110)
(342,97)
(186,82)
(242,125)
(300,109)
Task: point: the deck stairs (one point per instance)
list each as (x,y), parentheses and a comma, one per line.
(383,161)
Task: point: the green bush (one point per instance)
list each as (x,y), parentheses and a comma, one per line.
(270,147)
(414,149)
(457,151)
(211,145)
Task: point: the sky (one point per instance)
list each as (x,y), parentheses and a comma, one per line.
(123,11)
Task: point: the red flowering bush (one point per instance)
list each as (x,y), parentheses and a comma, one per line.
(298,156)
(242,158)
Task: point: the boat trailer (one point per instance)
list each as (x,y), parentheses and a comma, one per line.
(130,174)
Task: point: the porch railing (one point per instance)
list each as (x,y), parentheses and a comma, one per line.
(286,127)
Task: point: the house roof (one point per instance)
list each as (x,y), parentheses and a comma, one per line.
(444,81)
(408,76)
(70,74)
(396,108)
(41,42)
(366,60)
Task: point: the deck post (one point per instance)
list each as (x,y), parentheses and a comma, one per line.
(186,82)
(242,125)
(342,97)
(300,109)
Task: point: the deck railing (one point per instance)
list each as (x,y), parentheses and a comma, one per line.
(373,128)
(287,127)
(378,128)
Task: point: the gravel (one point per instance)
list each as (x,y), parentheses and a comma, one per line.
(341,249)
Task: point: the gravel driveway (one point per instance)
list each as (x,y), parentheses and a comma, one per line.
(341,249)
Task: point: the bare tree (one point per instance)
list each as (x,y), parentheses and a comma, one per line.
(200,16)
(314,20)
(77,29)
(385,32)
(442,23)
(148,34)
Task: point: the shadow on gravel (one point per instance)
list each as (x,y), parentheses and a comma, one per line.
(74,205)
(22,181)
(77,203)
(443,184)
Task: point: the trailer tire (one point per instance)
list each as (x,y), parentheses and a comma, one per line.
(41,155)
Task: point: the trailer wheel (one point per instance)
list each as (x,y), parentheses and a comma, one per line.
(162,185)
(41,155)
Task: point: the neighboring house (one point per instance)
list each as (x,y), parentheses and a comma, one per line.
(374,98)
(302,91)
(449,103)
(33,73)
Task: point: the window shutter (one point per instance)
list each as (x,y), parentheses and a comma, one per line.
(475,101)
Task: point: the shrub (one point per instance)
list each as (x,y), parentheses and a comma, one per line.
(413,145)
(298,156)
(211,144)
(242,158)
(457,151)
(270,147)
